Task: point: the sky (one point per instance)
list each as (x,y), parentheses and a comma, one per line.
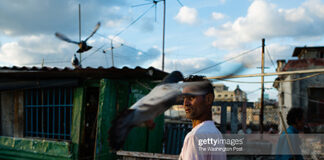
(224,34)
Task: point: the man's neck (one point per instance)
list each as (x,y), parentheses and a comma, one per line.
(196,122)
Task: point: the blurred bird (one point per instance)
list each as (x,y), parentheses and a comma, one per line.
(75,62)
(160,99)
(83,47)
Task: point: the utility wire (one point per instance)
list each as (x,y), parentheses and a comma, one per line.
(267,50)
(93,52)
(120,32)
(303,96)
(251,92)
(226,60)
(292,80)
(106,60)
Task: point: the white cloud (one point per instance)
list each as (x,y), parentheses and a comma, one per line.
(116,39)
(266,20)
(32,49)
(187,15)
(29,18)
(273,52)
(113,23)
(217,16)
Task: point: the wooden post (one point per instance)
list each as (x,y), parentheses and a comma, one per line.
(262,88)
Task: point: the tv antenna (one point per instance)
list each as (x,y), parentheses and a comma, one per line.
(83,47)
(155,2)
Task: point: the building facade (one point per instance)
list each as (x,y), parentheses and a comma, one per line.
(302,90)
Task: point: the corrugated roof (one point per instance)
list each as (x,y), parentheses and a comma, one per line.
(297,50)
(303,64)
(100,72)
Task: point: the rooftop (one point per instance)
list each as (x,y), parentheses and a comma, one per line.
(100,72)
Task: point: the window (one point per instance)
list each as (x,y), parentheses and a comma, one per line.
(48,112)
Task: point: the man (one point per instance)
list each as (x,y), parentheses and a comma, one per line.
(198,100)
(295,120)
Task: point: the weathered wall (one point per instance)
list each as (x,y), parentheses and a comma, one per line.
(301,88)
(114,97)
(296,93)
(7,113)
(27,148)
(12,113)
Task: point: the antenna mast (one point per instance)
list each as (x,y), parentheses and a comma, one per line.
(163,35)
(80,29)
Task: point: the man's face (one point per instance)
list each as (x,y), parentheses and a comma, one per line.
(300,123)
(196,107)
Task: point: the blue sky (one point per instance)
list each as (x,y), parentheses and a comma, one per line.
(198,34)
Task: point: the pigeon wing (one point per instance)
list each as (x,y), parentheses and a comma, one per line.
(94,31)
(64,38)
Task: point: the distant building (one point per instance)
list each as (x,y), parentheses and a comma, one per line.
(270,111)
(302,90)
(223,94)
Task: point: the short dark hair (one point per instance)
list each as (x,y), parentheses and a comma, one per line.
(294,114)
(194,78)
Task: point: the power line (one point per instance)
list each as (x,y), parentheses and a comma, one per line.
(320,70)
(292,80)
(251,92)
(93,52)
(106,60)
(120,32)
(270,58)
(226,60)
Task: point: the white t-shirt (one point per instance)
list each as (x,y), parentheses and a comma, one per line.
(193,145)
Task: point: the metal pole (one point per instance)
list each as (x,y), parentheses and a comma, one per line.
(112,52)
(80,29)
(262,87)
(164,3)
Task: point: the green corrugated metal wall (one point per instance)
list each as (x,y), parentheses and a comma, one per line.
(115,96)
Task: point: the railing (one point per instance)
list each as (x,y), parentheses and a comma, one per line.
(175,132)
(48,112)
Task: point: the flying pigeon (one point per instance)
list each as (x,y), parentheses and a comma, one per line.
(83,47)
(161,98)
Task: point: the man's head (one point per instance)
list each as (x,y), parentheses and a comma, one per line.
(295,118)
(198,99)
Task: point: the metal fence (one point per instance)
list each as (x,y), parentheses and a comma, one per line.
(48,112)
(175,133)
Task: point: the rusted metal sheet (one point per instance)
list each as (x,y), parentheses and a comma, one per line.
(303,64)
